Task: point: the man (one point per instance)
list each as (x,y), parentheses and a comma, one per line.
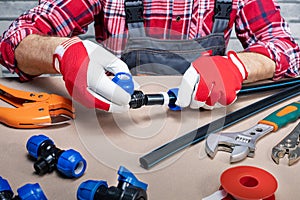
(42,41)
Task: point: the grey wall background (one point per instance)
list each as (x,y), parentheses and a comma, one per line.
(9,10)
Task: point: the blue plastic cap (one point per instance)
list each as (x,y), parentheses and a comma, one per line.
(4,185)
(126,176)
(124,80)
(87,189)
(34,143)
(174,107)
(71,164)
(31,192)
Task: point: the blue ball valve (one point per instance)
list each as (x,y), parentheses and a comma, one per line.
(129,188)
(26,192)
(48,157)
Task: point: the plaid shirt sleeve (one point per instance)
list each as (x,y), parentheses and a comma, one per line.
(50,17)
(261,29)
(258,23)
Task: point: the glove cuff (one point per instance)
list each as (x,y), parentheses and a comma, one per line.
(60,50)
(238,63)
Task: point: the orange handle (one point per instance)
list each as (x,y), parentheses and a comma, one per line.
(18,97)
(31,116)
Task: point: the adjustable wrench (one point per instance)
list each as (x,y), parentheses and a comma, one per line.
(289,145)
(242,144)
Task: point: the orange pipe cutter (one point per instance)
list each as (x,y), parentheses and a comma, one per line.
(34,110)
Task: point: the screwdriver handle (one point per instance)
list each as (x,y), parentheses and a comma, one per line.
(283,116)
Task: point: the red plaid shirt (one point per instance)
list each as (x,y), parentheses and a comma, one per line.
(258,23)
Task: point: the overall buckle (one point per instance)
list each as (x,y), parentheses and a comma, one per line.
(222,9)
(134,11)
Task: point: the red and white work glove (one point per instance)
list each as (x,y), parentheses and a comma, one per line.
(83,65)
(212,82)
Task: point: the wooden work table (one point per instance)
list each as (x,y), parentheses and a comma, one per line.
(107,141)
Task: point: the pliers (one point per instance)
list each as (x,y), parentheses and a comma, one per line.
(34,110)
(289,145)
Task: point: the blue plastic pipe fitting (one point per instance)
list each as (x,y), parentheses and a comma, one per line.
(125,81)
(48,157)
(26,192)
(139,99)
(129,188)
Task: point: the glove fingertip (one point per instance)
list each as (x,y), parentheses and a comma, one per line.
(183,100)
(187,87)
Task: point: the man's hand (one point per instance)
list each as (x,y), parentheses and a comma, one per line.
(212,81)
(83,65)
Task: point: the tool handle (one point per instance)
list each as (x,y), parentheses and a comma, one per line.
(191,138)
(17,98)
(283,116)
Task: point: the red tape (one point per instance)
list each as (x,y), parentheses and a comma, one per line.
(248,183)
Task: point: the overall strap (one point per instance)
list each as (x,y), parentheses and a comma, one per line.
(134,10)
(221,15)
(134,16)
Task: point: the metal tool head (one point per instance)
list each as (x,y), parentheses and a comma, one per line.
(240,144)
(290,146)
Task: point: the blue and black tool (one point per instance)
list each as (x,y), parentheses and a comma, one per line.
(48,157)
(26,192)
(129,188)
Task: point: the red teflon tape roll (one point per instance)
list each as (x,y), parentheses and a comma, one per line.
(248,183)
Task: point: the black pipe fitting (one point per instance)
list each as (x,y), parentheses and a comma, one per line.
(129,188)
(48,158)
(139,99)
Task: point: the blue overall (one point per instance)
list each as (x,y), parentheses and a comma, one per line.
(150,56)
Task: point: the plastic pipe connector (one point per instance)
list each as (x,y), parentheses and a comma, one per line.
(129,188)
(26,192)
(48,157)
(125,81)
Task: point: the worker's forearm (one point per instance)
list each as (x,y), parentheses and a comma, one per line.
(34,54)
(259,67)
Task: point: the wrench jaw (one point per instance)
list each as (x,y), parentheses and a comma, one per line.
(212,144)
(239,153)
(240,144)
(218,142)
(227,142)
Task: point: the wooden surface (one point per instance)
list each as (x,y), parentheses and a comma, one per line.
(107,141)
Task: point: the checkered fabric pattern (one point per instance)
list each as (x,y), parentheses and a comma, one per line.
(258,25)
